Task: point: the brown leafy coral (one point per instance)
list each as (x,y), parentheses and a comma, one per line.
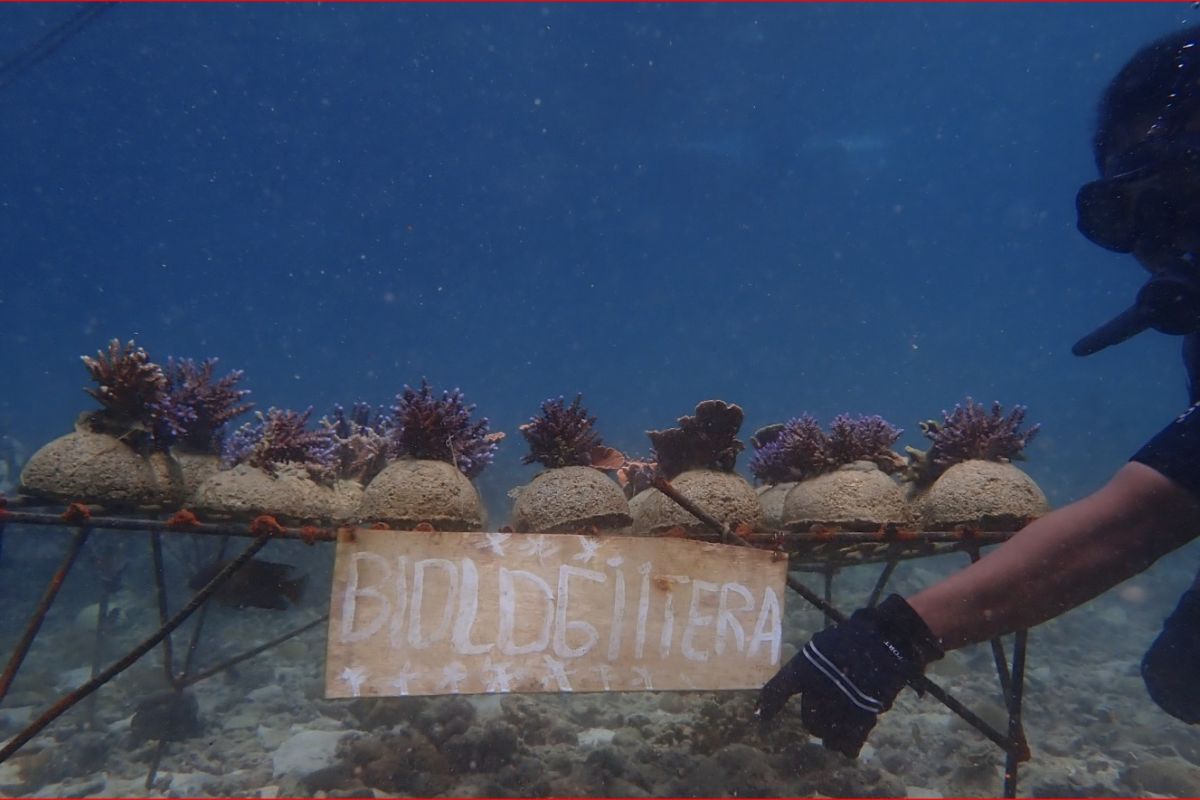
(705,440)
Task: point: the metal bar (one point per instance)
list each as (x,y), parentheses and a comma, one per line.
(881,583)
(769,539)
(98,647)
(160,590)
(58,709)
(306,533)
(194,644)
(997,644)
(1016,731)
(229,662)
(161,746)
(43,607)
(828,577)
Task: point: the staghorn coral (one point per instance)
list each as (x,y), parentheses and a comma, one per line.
(864,438)
(280,437)
(196,407)
(970,432)
(706,440)
(790,451)
(361,440)
(562,435)
(442,429)
(129,386)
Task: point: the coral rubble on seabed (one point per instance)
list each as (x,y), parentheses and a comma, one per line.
(267,731)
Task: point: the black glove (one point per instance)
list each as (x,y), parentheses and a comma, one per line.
(850,674)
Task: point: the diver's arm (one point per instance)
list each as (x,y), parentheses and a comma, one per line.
(1063,559)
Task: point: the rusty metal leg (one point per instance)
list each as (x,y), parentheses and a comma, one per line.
(98,647)
(239,658)
(43,606)
(194,644)
(79,694)
(178,681)
(160,587)
(828,575)
(881,583)
(1018,751)
(997,644)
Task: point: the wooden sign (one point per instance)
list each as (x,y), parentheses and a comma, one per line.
(461,613)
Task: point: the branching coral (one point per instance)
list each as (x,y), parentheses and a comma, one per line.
(970,432)
(864,438)
(562,435)
(799,449)
(792,451)
(361,440)
(442,429)
(129,386)
(196,407)
(706,440)
(283,437)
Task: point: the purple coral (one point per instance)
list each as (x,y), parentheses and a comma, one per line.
(706,440)
(971,432)
(562,435)
(792,451)
(129,386)
(442,429)
(361,440)
(283,437)
(196,407)
(864,438)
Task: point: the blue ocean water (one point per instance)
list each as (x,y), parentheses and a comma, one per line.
(823,208)
(816,208)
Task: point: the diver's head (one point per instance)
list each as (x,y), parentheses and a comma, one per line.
(1146,201)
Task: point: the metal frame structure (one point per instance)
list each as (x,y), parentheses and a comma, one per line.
(820,552)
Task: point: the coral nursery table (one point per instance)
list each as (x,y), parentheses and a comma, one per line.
(823,553)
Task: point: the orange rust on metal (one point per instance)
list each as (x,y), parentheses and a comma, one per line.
(345,533)
(380,526)
(265,524)
(822,533)
(77,512)
(423,527)
(966,532)
(309,533)
(183,519)
(894,533)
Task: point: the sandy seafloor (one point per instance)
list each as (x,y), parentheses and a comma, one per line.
(266,731)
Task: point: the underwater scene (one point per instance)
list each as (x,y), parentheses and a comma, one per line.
(318,315)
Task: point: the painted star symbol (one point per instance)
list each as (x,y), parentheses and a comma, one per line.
(538,545)
(588,553)
(495,542)
(355,677)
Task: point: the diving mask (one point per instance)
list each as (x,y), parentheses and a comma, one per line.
(1150,194)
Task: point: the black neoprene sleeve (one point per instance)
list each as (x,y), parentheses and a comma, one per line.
(1175,450)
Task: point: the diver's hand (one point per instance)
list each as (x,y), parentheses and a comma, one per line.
(850,674)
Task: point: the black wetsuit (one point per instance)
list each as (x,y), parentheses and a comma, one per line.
(1172,663)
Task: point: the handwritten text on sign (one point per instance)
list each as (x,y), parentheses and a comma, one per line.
(446,613)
